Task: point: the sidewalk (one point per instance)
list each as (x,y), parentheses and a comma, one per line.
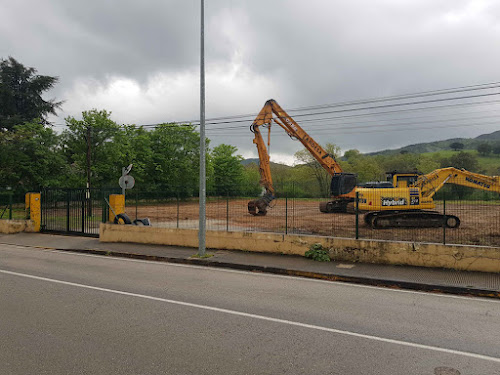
(405,277)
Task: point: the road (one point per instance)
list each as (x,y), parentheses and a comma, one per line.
(67,313)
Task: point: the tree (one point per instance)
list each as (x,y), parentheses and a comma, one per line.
(227,170)
(175,155)
(366,168)
(351,154)
(496,148)
(98,131)
(462,160)
(30,157)
(321,175)
(134,147)
(21,92)
(456,146)
(484,148)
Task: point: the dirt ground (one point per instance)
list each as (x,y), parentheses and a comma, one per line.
(480,222)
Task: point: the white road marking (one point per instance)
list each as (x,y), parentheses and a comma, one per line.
(261,317)
(218,269)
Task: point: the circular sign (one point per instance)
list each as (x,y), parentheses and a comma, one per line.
(126,182)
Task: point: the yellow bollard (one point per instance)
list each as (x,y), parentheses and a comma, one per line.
(117,204)
(33,209)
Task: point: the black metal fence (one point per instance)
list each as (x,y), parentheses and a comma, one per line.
(80,211)
(74,211)
(478,211)
(12,205)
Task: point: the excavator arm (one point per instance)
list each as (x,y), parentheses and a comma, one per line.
(430,183)
(272,112)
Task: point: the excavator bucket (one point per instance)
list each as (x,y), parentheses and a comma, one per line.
(258,207)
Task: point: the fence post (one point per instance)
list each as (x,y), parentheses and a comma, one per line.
(177,208)
(227,211)
(357,215)
(10,206)
(67,209)
(286,212)
(444,218)
(136,203)
(83,198)
(104,208)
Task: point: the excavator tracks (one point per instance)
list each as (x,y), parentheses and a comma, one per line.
(410,219)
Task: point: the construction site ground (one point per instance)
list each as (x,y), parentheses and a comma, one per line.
(480,221)
(403,277)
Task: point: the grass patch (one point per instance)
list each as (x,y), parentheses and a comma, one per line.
(207,255)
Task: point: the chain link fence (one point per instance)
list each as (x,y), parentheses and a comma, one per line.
(291,213)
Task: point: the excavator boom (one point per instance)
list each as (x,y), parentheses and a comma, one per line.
(272,112)
(430,183)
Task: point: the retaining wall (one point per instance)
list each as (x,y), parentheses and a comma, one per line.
(16,226)
(469,258)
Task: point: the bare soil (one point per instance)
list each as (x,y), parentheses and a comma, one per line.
(480,223)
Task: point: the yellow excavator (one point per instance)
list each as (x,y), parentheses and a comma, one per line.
(272,112)
(405,200)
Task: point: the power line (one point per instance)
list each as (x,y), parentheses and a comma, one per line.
(335,128)
(384,130)
(483,86)
(366,108)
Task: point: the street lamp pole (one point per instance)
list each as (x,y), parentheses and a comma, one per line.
(202,224)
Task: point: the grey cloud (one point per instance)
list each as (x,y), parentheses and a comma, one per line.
(309,53)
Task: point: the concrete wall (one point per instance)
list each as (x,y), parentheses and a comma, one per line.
(403,253)
(16,226)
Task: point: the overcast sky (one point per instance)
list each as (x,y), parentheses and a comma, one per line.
(140,59)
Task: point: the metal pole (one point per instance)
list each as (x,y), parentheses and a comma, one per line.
(286,213)
(444,220)
(202,224)
(10,206)
(357,215)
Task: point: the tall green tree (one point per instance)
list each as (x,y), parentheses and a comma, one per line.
(227,170)
(175,155)
(457,146)
(97,132)
(320,174)
(462,160)
(30,157)
(484,148)
(21,91)
(134,147)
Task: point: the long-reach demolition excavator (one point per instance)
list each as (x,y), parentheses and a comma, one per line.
(405,200)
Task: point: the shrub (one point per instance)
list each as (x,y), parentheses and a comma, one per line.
(318,253)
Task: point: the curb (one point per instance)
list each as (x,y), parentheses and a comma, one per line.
(392,284)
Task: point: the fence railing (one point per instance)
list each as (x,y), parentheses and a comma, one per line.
(12,205)
(290,214)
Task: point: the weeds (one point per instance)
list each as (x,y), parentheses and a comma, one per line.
(318,253)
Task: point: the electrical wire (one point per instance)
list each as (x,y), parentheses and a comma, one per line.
(369,108)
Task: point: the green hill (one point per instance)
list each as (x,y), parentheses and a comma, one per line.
(421,148)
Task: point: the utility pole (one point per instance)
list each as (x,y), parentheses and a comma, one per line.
(203,202)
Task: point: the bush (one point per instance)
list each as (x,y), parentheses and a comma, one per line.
(318,253)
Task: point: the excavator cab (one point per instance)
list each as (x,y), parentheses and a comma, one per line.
(342,183)
(403,179)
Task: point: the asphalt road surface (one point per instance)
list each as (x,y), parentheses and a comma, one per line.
(66,313)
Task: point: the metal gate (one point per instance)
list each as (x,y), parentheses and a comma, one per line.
(74,211)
